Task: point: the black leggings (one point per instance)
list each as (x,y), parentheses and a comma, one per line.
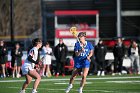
(101,65)
(60,67)
(118,64)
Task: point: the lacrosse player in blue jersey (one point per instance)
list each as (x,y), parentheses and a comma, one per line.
(83,52)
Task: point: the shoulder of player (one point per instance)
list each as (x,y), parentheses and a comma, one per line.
(89,43)
(34,49)
(77,44)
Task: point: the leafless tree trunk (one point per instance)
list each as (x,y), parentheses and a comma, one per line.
(27,17)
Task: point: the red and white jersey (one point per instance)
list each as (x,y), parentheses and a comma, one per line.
(27,64)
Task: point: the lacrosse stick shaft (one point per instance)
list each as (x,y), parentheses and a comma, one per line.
(73,31)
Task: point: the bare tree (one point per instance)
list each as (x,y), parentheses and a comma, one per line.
(26,20)
(4,17)
(27,16)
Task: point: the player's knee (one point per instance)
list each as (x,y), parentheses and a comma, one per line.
(72,78)
(84,77)
(39,77)
(28,81)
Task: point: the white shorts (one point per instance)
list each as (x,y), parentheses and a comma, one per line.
(46,60)
(26,67)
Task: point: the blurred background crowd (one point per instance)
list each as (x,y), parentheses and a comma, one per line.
(117,60)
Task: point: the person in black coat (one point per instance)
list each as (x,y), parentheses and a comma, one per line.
(60,53)
(16,61)
(3,57)
(100,52)
(119,53)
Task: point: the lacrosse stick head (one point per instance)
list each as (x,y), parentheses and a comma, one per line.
(73,30)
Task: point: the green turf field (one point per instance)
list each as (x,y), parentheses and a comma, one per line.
(107,84)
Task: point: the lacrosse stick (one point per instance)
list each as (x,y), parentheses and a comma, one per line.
(74,32)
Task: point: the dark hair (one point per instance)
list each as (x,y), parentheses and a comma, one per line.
(47,43)
(82,34)
(1,41)
(120,38)
(17,43)
(132,41)
(36,41)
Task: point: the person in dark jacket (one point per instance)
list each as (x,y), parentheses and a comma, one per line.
(3,57)
(60,53)
(16,61)
(100,52)
(119,53)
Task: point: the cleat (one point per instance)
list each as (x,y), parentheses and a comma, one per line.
(33,91)
(68,89)
(57,75)
(63,75)
(103,73)
(22,91)
(80,90)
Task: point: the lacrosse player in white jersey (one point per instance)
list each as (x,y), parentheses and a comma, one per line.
(28,67)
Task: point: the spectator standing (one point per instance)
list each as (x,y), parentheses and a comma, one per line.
(60,53)
(134,52)
(16,61)
(119,53)
(47,53)
(100,52)
(3,57)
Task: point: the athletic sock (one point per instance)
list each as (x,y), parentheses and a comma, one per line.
(70,85)
(34,89)
(81,88)
(47,74)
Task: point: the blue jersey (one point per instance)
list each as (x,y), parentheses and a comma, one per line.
(81,60)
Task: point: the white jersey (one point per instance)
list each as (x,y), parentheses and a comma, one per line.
(27,64)
(47,55)
(135,51)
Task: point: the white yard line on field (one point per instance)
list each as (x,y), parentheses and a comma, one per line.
(128,81)
(62,89)
(68,83)
(99,78)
